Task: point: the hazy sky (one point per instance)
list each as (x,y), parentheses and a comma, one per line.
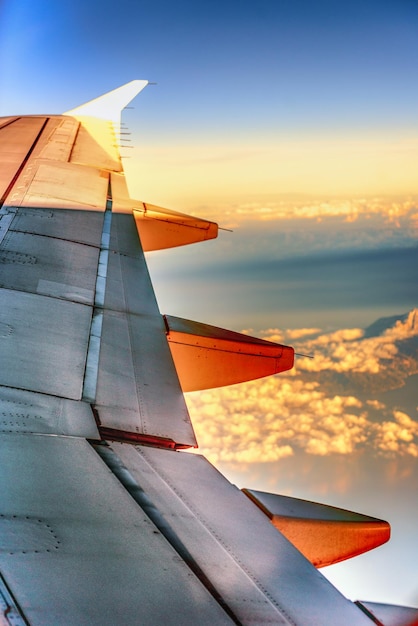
(279,96)
(295,124)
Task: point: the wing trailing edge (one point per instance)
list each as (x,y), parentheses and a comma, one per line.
(207,356)
(324,534)
(389,614)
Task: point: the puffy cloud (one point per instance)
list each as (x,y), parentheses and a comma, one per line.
(272,418)
(396,212)
(265,420)
(272,334)
(393,435)
(349,350)
(375,404)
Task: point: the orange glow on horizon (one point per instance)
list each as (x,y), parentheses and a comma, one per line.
(206,173)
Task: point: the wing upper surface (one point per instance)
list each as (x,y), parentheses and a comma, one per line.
(258,573)
(107,350)
(76,549)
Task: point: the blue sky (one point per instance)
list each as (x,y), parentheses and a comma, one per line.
(301,65)
(295,124)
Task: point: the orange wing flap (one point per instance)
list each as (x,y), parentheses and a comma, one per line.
(207,356)
(324,534)
(160,228)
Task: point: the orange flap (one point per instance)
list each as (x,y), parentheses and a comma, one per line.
(324,534)
(161,228)
(206,356)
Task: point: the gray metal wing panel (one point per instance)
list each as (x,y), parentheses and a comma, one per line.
(260,575)
(48,266)
(72,534)
(26,411)
(135,359)
(124,236)
(135,390)
(43,343)
(47,342)
(7,215)
(68,224)
(137,387)
(128,285)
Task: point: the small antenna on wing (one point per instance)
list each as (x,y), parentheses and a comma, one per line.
(308,356)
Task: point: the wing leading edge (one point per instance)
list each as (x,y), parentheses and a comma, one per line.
(94,527)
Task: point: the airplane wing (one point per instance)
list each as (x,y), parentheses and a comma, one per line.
(105,517)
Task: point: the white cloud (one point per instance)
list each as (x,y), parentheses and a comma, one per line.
(348,350)
(395,212)
(375,404)
(269,419)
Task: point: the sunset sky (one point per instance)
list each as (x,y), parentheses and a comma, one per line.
(294,124)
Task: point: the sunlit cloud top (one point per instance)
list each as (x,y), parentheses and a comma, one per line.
(332,404)
(399,212)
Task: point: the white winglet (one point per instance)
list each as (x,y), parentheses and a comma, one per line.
(99,135)
(110,105)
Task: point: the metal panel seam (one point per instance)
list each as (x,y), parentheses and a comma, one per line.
(9,606)
(29,232)
(75,141)
(93,350)
(216,536)
(12,121)
(114,463)
(22,165)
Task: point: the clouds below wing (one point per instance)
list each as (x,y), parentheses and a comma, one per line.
(335,403)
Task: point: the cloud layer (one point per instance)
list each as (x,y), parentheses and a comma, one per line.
(398,212)
(333,403)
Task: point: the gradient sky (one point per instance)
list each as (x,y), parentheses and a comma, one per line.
(316,97)
(295,124)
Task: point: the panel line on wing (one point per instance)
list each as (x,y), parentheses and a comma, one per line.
(9,609)
(7,215)
(9,121)
(23,163)
(144,501)
(103,260)
(93,350)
